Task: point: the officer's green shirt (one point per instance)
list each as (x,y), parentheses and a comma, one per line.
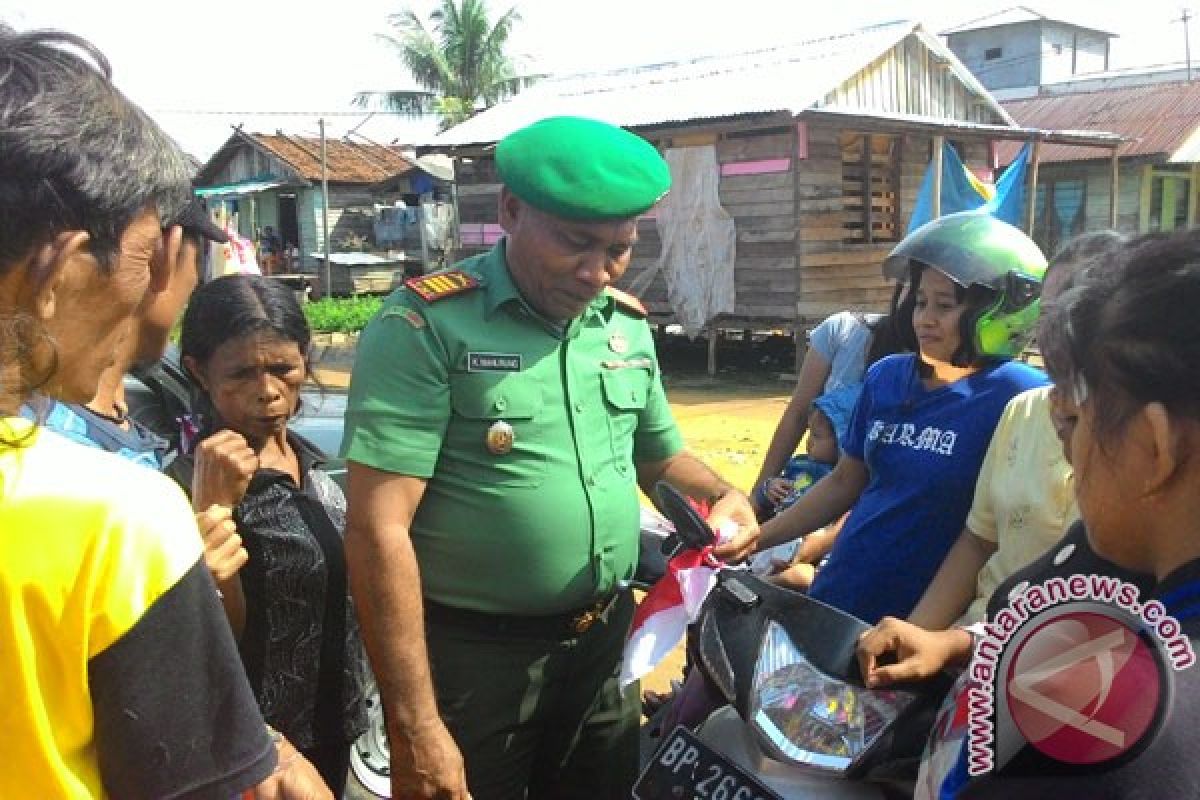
(552,524)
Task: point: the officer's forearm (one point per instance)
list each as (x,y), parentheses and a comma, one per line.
(386,586)
(688,474)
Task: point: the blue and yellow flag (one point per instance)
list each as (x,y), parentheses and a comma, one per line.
(962,190)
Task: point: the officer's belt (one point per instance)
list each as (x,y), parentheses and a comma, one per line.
(566,625)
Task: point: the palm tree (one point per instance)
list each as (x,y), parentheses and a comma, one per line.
(460,66)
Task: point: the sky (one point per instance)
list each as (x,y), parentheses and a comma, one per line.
(200,68)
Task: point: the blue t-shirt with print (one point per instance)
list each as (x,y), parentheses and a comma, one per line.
(923,450)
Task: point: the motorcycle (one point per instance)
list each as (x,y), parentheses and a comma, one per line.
(794,719)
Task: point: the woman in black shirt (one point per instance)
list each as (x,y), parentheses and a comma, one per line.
(245,343)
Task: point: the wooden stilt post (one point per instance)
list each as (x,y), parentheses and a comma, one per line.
(1035,161)
(713,333)
(939,143)
(1114,194)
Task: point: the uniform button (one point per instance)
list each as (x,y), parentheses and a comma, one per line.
(501,404)
(591,481)
(579,408)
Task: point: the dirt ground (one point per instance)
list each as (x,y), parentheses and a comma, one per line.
(728,424)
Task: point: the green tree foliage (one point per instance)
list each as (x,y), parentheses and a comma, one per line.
(341,314)
(460,62)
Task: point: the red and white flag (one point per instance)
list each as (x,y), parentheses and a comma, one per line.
(663,615)
(661,619)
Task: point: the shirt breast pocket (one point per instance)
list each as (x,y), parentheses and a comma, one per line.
(487,406)
(626,392)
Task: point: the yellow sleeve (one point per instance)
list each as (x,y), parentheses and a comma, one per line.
(148,544)
(981,519)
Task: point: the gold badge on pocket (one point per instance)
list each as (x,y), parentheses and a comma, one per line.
(618,343)
(500,438)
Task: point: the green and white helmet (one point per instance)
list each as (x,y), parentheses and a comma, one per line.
(976,249)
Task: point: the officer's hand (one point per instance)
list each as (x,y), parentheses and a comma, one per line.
(426,763)
(735,507)
(912,652)
(294,779)
(225,463)
(224,554)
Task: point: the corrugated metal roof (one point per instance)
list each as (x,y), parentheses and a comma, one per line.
(346,161)
(787,79)
(1013,16)
(1158,119)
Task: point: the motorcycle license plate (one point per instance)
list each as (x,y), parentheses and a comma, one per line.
(685,768)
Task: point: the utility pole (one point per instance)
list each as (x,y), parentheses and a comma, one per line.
(328,287)
(1185,17)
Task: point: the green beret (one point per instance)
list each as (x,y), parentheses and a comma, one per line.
(582,169)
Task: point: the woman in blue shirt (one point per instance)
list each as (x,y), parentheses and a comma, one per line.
(919,433)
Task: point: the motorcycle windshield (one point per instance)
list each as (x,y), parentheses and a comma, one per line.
(808,717)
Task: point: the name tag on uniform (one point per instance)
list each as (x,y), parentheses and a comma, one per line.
(627,363)
(493,362)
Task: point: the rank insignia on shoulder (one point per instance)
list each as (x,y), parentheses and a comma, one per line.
(440,285)
(627,301)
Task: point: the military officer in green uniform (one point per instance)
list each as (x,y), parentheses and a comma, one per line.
(502,415)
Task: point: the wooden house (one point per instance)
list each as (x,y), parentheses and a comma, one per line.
(820,151)
(259,180)
(1157,169)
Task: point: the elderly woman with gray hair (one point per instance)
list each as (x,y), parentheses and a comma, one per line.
(122,677)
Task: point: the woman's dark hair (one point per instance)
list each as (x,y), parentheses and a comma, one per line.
(1128,333)
(237,306)
(887,337)
(904,302)
(1073,261)
(1081,251)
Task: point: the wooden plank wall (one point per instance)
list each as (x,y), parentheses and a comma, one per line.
(909,79)
(761,203)
(248,163)
(1098,176)
(835,274)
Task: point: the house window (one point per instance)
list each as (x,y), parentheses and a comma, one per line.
(870,187)
(1057,48)
(1170,196)
(1061,213)
(993,53)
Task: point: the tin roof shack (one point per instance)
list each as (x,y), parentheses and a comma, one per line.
(796,169)
(263,181)
(1158,167)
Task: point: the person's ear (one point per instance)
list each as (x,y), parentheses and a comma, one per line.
(56,265)
(510,208)
(166,260)
(1162,441)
